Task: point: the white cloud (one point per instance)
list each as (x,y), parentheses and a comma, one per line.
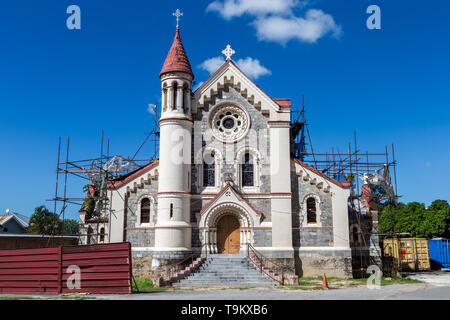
(312,27)
(211,65)
(236,8)
(251,67)
(274,20)
(151,109)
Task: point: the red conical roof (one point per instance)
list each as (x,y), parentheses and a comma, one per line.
(177,59)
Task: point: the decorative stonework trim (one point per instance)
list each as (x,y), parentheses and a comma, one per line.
(220,111)
(243,84)
(342,184)
(278,124)
(303,211)
(170,192)
(138,228)
(256,155)
(139,207)
(217,167)
(312,227)
(137,173)
(174,119)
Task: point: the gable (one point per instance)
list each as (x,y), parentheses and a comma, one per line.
(137,177)
(228,195)
(230,74)
(317,178)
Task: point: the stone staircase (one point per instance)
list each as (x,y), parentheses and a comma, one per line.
(225,270)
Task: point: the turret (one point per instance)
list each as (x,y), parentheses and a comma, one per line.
(173,228)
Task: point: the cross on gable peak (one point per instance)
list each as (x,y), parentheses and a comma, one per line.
(228,52)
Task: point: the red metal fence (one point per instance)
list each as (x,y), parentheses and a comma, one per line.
(104,268)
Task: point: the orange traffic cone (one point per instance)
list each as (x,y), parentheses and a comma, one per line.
(324,282)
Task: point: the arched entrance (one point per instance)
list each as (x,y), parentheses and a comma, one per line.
(228,234)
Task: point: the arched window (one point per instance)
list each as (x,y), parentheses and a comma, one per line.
(175,95)
(145,210)
(209,170)
(311,210)
(247,171)
(102,234)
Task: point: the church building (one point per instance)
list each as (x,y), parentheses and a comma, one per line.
(226,179)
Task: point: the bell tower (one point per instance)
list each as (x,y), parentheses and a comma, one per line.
(173,228)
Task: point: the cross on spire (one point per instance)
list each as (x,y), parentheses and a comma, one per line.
(228,52)
(178,14)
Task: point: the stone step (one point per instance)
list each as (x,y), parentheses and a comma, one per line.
(225,270)
(222,276)
(221,285)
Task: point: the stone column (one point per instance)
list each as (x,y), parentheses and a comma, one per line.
(280,180)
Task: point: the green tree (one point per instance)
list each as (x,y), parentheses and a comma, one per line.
(44,222)
(411,218)
(415,219)
(71,227)
(388,218)
(437,220)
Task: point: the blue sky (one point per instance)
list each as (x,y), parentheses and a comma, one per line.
(390,85)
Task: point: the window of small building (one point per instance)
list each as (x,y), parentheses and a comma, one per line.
(145,210)
(102,234)
(90,231)
(311,210)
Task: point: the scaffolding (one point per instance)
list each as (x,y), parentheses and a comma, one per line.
(97,172)
(358,168)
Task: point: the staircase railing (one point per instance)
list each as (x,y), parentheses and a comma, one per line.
(260,261)
(174,268)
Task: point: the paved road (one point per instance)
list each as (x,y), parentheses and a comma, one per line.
(437,278)
(393,292)
(436,286)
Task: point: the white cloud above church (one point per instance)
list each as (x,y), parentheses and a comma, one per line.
(275,20)
(250,66)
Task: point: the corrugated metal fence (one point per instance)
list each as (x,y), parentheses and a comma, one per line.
(104,268)
(440,253)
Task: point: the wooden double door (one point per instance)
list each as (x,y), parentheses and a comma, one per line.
(228,235)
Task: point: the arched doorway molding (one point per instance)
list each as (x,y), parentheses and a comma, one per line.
(210,219)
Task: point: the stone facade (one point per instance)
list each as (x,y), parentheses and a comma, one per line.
(269,212)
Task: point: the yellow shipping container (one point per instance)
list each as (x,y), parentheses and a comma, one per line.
(411,253)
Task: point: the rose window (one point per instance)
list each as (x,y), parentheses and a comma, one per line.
(229,123)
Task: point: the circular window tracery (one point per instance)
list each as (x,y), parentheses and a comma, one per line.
(229,123)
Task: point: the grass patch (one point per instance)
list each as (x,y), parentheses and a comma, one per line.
(19,298)
(146,285)
(336,283)
(77,298)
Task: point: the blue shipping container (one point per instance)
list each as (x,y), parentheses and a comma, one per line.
(439,254)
